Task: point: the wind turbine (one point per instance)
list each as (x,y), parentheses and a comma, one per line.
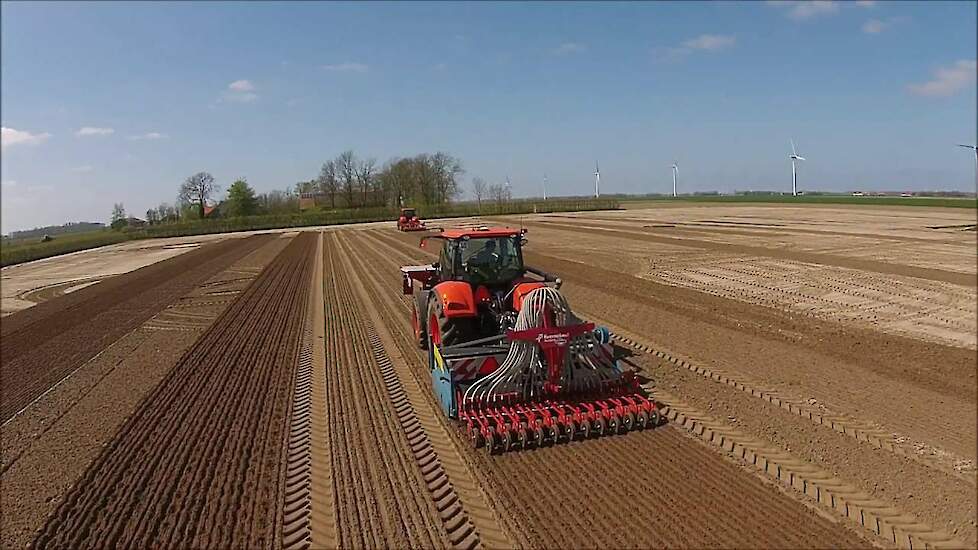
(675,171)
(975,149)
(597,180)
(794,171)
(544,187)
(509,190)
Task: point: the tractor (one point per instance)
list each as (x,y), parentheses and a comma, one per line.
(409,221)
(508,358)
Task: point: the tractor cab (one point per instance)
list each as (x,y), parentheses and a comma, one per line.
(488,257)
(408,213)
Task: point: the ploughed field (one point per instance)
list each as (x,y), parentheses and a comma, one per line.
(816,367)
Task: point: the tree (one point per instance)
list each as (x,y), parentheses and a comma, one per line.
(241,199)
(328,184)
(118,216)
(346,167)
(152,217)
(197,190)
(365,176)
(479,189)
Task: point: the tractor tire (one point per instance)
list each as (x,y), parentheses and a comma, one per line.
(446,331)
(420,334)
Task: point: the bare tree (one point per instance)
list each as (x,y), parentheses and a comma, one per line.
(197,190)
(346,167)
(479,188)
(328,183)
(364,174)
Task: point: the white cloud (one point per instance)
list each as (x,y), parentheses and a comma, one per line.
(94,131)
(83,169)
(806,9)
(876,26)
(148,136)
(568,48)
(347,67)
(948,80)
(710,42)
(701,43)
(10,136)
(240,91)
(241,86)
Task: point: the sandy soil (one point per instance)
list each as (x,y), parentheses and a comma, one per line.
(49,446)
(199,463)
(164,402)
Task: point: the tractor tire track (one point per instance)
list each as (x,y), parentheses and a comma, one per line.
(380,494)
(460,498)
(309,515)
(198,464)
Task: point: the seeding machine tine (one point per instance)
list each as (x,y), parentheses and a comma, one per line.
(498,436)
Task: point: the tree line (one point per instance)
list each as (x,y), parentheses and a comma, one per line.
(350,182)
(345,181)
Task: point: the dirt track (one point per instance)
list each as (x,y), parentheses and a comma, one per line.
(199,463)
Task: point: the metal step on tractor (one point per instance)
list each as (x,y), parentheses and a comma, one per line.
(508,357)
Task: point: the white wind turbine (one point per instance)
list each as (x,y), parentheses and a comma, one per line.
(544,187)
(975,149)
(675,171)
(597,180)
(794,171)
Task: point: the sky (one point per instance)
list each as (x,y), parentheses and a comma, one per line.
(116,102)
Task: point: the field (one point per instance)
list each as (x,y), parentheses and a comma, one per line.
(816,365)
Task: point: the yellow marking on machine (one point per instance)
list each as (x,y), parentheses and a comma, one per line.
(438,359)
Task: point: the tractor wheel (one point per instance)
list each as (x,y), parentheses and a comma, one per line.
(445,331)
(419,335)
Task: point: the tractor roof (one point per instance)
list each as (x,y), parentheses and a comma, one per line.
(479,232)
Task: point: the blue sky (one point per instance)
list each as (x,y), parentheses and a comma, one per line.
(117,102)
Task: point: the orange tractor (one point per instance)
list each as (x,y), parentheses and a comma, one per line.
(508,357)
(409,221)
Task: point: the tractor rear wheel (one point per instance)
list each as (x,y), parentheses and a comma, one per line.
(420,336)
(443,330)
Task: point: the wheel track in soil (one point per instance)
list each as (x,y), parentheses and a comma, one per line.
(308,511)
(380,494)
(454,486)
(562,518)
(47,342)
(187,469)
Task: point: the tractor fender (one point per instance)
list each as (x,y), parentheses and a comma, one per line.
(521,290)
(456,298)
